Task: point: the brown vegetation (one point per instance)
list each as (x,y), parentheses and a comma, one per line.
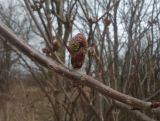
(122,69)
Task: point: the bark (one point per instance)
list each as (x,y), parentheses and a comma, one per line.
(71,74)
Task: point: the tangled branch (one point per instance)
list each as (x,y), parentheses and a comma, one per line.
(75,77)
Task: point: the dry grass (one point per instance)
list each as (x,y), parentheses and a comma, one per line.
(27,104)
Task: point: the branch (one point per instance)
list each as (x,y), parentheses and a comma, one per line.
(139,114)
(35,20)
(82,79)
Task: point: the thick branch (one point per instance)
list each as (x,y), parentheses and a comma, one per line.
(74,76)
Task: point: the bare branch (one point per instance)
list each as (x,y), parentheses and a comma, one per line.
(74,76)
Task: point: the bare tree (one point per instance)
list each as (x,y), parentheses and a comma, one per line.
(123,57)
